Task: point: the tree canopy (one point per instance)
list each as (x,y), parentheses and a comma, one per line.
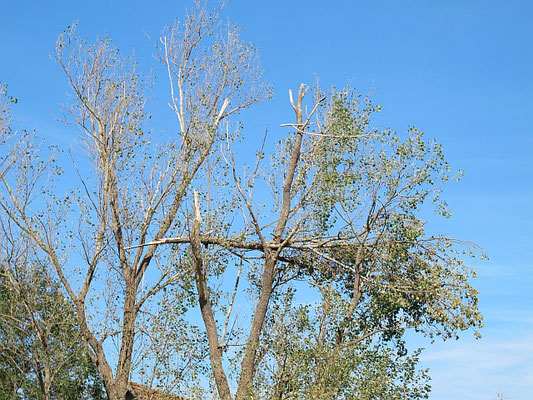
(195,268)
(42,354)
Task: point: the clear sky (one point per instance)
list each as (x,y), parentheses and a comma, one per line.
(462,71)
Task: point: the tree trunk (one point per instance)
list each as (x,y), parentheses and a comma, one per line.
(215,351)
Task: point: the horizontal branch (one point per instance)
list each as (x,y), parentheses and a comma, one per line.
(300,244)
(305,243)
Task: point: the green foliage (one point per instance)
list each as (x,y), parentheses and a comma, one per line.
(38,336)
(365,267)
(364,191)
(336,274)
(303,361)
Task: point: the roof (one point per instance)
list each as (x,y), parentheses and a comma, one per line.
(144,393)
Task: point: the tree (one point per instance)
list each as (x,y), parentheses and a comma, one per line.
(42,355)
(345,225)
(135,191)
(336,249)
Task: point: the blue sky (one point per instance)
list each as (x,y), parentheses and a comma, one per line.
(462,71)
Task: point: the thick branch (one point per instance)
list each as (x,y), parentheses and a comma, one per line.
(215,350)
